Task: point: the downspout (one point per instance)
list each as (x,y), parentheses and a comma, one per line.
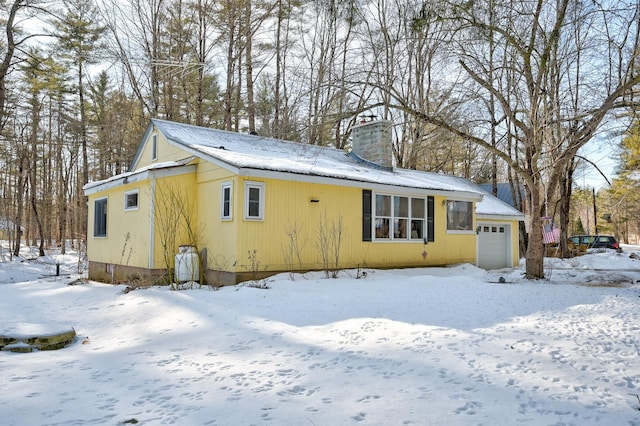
(152,215)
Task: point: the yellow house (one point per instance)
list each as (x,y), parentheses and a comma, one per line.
(244,207)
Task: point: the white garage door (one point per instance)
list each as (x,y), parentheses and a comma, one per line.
(493,246)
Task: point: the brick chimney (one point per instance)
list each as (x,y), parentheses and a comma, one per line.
(371,141)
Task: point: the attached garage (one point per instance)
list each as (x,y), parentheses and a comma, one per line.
(494,245)
(497,231)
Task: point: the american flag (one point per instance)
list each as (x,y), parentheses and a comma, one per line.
(550,234)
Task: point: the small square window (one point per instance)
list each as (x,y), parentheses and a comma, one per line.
(131,200)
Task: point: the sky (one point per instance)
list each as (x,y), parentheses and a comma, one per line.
(427,346)
(604,156)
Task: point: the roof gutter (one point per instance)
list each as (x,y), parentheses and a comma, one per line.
(489,216)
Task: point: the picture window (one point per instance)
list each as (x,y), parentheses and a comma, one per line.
(399,218)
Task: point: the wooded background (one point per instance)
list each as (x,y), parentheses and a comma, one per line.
(492,90)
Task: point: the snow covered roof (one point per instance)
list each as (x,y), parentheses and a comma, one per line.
(493,207)
(247,154)
(244,151)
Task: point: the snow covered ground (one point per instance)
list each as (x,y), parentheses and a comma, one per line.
(437,346)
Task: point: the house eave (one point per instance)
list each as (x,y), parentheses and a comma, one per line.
(489,217)
(135,177)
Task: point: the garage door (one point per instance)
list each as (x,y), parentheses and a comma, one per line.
(493,246)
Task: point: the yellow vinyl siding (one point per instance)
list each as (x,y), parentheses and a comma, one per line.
(215,235)
(515,242)
(175,220)
(240,245)
(164,151)
(289,208)
(127,239)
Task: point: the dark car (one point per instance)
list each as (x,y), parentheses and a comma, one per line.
(585,242)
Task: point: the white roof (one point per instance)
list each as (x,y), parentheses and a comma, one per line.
(241,152)
(492,207)
(244,151)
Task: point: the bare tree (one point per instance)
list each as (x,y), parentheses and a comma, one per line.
(530,35)
(14,39)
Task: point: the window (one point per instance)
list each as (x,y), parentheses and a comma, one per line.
(395,217)
(459,215)
(417,219)
(226,201)
(383,215)
(154,147)
(400,217)
(100,217)
(254,200)
(131,200)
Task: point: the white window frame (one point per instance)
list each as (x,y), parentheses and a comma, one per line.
(395,218)
(106,217)
(154,147)
(383,218)
(223,187)
(451,228)
(127,207)
(418,220)
(248,186)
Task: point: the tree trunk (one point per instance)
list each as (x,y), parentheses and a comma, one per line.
(251,106)
(5,65)
(34,206)
(19,204)
(279,58)
(231,60)
(566,184)
(535,249)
